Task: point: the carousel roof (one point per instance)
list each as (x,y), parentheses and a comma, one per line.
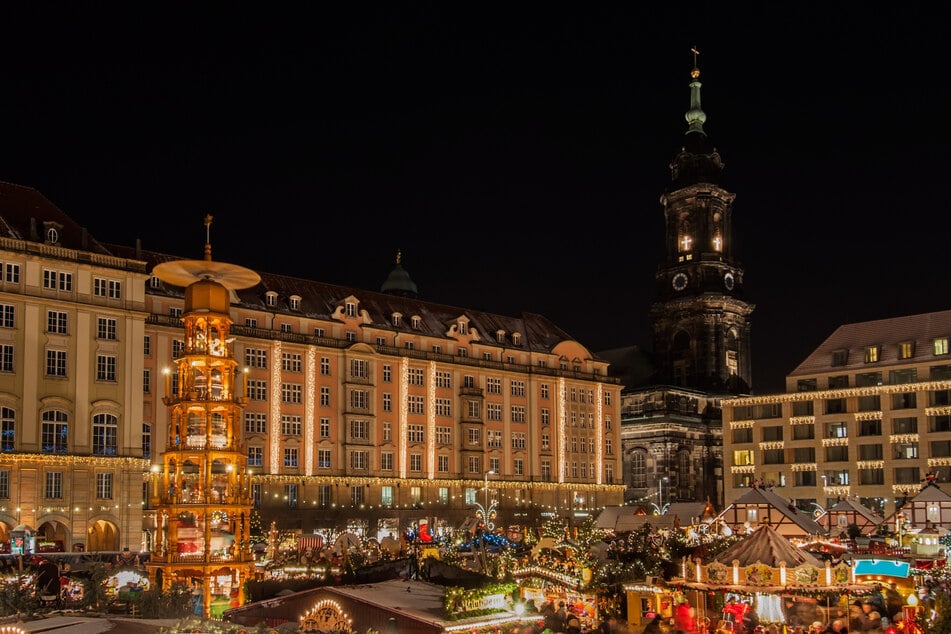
(766,546)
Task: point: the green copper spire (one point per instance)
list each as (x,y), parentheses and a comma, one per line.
(695,116)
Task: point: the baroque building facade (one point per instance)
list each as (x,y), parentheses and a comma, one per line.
(866,417)
(368,411)
(700,320)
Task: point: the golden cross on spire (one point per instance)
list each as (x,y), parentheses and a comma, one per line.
(696,70)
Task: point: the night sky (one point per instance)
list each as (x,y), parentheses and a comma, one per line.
(514,152)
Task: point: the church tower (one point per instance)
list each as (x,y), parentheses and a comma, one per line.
(202,492)
(700,319)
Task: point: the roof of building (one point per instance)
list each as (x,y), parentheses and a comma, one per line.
(766,546)
(761,495)
(847,506)
(853,339)
(25,214)
(624,519)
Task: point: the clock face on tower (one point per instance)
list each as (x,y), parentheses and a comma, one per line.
(679,282)
(728,281)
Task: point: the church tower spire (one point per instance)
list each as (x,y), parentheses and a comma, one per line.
(700,319)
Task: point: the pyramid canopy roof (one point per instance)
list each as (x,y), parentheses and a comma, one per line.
(766,546)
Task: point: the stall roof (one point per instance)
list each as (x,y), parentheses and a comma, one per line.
(766,546)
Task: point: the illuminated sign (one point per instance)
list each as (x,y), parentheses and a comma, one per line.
(890,567)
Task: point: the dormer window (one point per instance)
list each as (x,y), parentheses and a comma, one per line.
(463,328)
(397,319)
(52,235)
(417,322)
(840,357)
(940,345)
(906,350)
(270,298)
(516,339)
(871,354)
(295,302)
(351,309)
(155,282)
(500,336)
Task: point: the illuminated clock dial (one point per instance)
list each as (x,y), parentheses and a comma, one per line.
(679,282)
(728,281)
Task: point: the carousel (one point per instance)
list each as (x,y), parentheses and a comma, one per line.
(771,579)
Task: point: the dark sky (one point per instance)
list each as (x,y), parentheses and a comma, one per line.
(514,152)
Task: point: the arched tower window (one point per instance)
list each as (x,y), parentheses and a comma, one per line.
(639,470)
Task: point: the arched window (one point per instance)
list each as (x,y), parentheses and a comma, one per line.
(639,470)
(684,475)
(8,429)
(55,432)
(105,435)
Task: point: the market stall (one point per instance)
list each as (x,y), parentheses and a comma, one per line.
(781,583)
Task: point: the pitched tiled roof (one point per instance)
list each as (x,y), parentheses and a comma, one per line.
(759,495)
(921,329)
(844,506)
(23,212)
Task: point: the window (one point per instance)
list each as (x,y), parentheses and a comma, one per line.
(56,322)
(55,430)
(443,379)
(940,346)
(105,367)
(415,376)
(290,495)
(255,456)
(546,470)
(387,402)
(870,428)
(905,400)
(107,288)
(324,459)
(256,495)
(7,429)
(906,350)
(4,485)
(105,429)
(6,357)
(146,440)
(387,431)
(908,425)
(325,366)
(416,404)
(444,435)
(518,466)
(444,407)
(290,457)
(442,463)
(56,281)
(257,390)
(291,393)
(518,440)
(870,452)
(493,411)
(287,328)
(325,428)
(54,485)
(56,363)
(359,430)
(11,274)
(106,328)
(415,433)
(325,396)
(416,462)
(871,476)
(868,379)
(773,456)
(255,358)
(772,434)
(474,464)
(351,336)
(804,455)
(493,385)
(386,461)
(871,354)
(359,460)
(359,368)
(291,362)
(518,414)
(836,430)
(255,423)
(906,451)
(290,425)
(518,388)
(360,400)
(104,486)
